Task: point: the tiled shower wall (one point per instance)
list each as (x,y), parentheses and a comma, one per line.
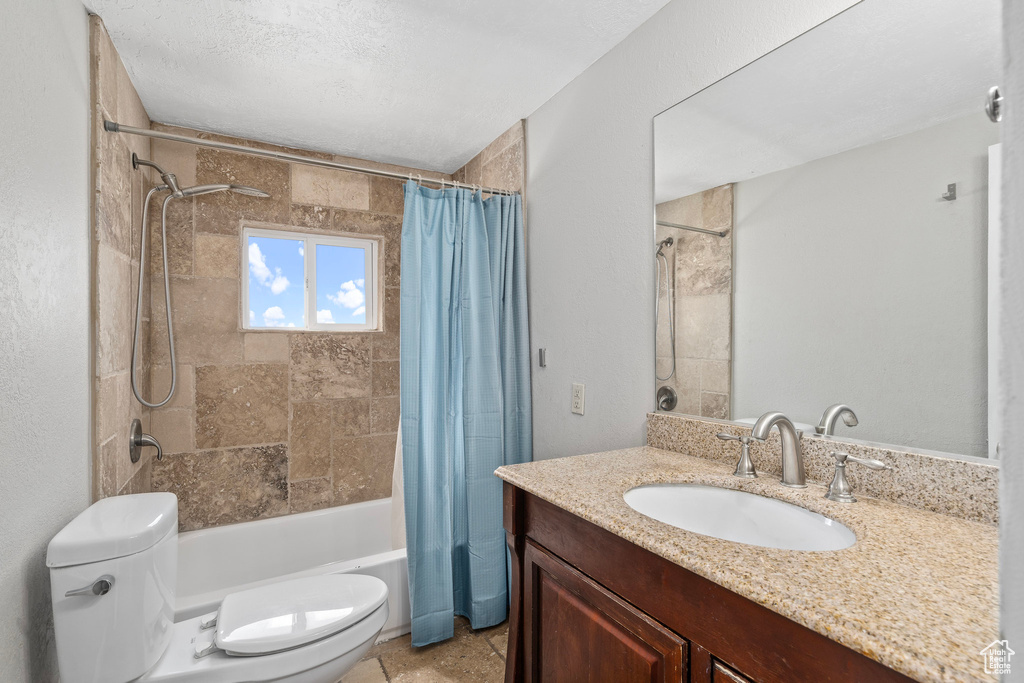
(702,267)
(116,221)
(266,423)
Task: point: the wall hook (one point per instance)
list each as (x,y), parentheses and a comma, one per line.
(950,193)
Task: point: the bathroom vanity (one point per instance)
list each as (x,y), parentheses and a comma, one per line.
(602,592)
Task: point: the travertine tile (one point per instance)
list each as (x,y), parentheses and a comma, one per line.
(466,657)
(305,216)
(505,171)
(384,414)
(184,390)
(387,196)
(387,346)
(222,212)
(717,208)
(105,467)
(366,671)
(715,376)
(141,481)
(310,440)
(366,223)
(206,314)
(329,187)
(703,263)
(386,378)
(115,315)
(173,429)
(217,255)
(178,158)
(500,144)
(351,417)
(361,468)
(113,193)
(310,494)
(267,347)
(714,405)
(705,326)
(113,409)
(329,366)
(224,487)
(241,404)
(179,236)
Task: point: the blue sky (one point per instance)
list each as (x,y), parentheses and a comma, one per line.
(276,283)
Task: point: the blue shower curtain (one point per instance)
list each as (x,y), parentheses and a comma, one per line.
(465,391)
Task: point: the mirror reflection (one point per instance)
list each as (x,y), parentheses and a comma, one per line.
(824,217)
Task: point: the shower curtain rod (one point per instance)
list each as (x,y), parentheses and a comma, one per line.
(113,127)
(677,226)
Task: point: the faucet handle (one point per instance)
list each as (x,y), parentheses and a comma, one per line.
(744,438)
(840,490)
(745,466)
(869,463)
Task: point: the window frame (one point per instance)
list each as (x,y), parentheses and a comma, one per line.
(310,241)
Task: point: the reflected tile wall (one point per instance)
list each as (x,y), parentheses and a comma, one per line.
(701,268)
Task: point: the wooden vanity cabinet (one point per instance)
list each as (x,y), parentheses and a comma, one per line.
(588,605)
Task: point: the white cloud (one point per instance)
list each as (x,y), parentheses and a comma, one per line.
(252,316)
(258,264)
(360,283)
(324,316)
(359,311)
(290,325)
(350,295)
(279,284)
(302,250)
(273,316)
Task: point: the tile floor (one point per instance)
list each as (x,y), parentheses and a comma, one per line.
(476,656)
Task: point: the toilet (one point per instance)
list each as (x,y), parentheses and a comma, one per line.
(112,579)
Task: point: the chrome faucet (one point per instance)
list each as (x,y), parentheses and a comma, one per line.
(792,459)
(827,423)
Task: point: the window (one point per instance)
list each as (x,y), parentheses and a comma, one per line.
(309,282)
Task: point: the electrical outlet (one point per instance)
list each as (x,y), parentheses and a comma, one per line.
(577,398)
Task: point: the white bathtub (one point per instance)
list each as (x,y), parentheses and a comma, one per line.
(350,539)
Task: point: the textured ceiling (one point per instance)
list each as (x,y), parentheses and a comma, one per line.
(425,84)
(880,69)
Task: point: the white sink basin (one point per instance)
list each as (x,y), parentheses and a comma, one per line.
(739,516)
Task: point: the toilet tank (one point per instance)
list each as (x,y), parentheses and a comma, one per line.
(130,542)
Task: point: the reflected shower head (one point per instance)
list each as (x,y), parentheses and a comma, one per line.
(667,242)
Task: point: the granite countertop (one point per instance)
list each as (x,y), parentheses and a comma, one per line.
(918,591)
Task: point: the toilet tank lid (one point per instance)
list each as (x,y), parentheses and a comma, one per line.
(114,527)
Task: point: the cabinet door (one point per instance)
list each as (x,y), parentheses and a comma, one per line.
(576,630)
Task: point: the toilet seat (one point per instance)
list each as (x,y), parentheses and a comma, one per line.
(327,653)
(290,614)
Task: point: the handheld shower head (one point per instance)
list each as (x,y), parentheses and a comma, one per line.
(667,242)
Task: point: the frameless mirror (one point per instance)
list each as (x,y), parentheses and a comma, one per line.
(824,218)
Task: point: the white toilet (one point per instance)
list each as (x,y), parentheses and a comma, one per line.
(112,578)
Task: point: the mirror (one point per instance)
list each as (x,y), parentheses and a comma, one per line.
(823,220)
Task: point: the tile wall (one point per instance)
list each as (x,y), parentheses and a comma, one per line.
(118,190)
(702,267)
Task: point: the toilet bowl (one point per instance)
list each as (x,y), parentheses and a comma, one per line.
(112,577)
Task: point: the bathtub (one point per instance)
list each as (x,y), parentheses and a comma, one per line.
(350,539)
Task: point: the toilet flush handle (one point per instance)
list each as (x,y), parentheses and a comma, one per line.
(100,586)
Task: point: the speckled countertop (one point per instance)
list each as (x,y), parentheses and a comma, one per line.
(917,592)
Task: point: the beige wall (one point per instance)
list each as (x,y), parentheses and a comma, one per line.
(500,164)
(702,267)
(118,190)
